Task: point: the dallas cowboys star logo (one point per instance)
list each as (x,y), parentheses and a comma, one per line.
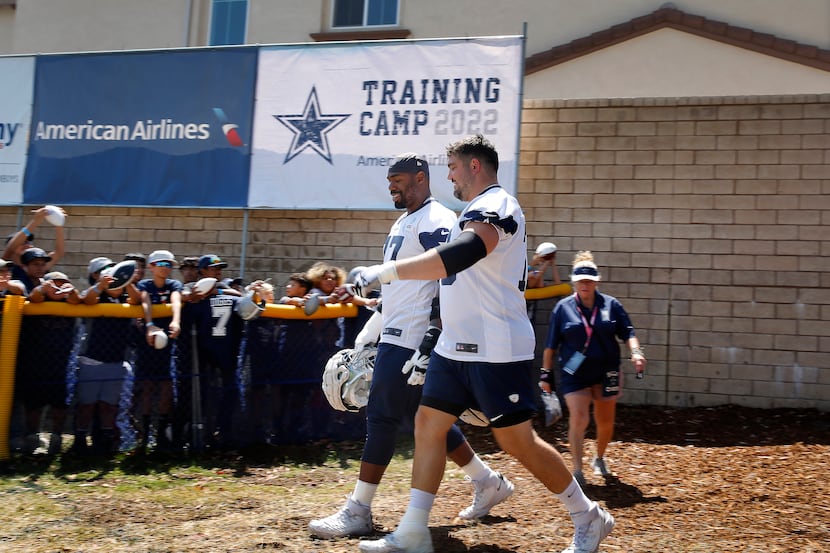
(310,128)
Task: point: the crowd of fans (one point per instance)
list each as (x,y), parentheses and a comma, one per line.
(212,374)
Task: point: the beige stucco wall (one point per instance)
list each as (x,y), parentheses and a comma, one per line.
(709,218)
(82,25)
(674,64)
(44,26)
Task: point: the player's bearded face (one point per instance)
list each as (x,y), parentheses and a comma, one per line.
(460,175)
(402,190)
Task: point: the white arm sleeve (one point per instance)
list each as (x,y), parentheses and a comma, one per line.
(371,331)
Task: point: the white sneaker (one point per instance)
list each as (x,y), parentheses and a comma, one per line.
(599,467)
(415,541)
(488,493)
(590,532)
(345,522)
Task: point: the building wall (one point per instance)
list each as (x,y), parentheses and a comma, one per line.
(648,66)
(709,218)
(82,25)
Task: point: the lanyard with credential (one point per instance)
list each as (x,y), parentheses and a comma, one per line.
(589,327)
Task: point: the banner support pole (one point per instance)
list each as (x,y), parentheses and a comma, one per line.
(521,104)
(244,244)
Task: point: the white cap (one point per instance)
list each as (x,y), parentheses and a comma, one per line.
(161,255)
(545,248)
(98,263)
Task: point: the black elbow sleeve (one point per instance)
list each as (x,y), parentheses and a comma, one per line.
(462,253)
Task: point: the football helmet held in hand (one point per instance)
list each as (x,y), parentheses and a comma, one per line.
(348,377)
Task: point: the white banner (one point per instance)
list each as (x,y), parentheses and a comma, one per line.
(17,75)
(330,117)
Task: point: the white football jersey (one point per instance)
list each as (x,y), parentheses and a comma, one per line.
(407,303)
(483,308)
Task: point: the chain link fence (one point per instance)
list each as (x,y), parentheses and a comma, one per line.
(87,371)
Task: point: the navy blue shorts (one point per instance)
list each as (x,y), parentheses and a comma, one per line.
(504,392)
(392,406)
(390,397)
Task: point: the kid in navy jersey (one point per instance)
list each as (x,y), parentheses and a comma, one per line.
(153,373)
(219,334)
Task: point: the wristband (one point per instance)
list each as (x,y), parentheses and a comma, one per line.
(544,376)
(388,272)
(27,232)
(638,351)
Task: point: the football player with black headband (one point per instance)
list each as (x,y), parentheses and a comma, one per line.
(484,357)
(410,328)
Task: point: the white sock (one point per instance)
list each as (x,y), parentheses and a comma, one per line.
(574,498)
(364,493)
(476,469)
(417,512)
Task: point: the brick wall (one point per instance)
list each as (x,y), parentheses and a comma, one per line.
(709,218)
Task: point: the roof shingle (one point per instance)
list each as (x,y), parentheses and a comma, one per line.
(673,18)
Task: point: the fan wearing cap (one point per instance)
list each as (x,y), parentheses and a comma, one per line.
(210,266)
(7,285)
(102,362)
(544,257)
(219,327)
(189,268)
(140,264)
(29,273)
(584,334)
(22,240)
(46,343)
(153,374)
(57,287)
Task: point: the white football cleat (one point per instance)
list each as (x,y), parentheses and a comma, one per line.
(488,493)
(345,522)
(415,540)
(595,524)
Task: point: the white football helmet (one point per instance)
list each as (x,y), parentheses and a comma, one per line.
(348,377)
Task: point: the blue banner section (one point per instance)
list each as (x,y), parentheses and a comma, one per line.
(142,129)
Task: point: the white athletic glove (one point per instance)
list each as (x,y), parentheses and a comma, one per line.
(371,277)
(420,359)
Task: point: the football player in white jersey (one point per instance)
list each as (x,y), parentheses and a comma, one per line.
(484,357)
(409,333)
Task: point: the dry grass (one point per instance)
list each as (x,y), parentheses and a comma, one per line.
(700,480)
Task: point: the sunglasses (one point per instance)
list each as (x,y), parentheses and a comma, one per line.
(163,264)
